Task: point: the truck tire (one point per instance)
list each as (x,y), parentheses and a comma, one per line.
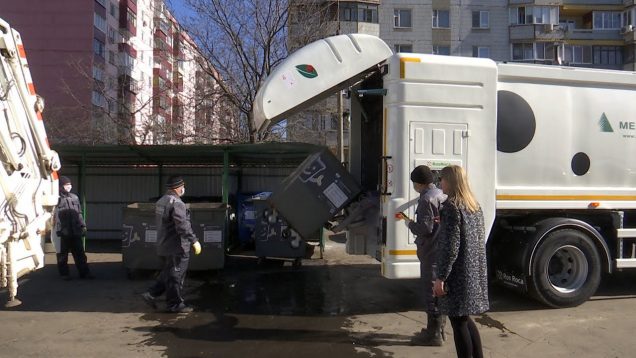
(566,269)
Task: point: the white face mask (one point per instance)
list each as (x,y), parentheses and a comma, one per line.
(68,188)
(182,191)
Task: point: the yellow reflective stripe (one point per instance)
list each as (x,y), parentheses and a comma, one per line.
(403,61)
(402,252)
(566,197)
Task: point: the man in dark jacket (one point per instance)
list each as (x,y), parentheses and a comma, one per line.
(174,238)
(70,227)
(425,228)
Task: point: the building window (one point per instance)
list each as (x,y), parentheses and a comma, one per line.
(402,18)
(111,35)
(403,48)
(102,2)
(441,50)
(607,20)
(98,74)
(522,51)
(481,19)
(100,22)
(524,15)
(608,55)
(98,99)
(114,10)
(131,18)
(627,17)
(545,50)
(577,54)
(481,51)
(359,12)
(164,26)
(98,47)
(368,13)
(111,57)
(441,19)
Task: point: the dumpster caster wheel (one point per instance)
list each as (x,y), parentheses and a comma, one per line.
(297,263)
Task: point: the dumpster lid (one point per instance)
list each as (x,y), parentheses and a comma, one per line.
(315,72)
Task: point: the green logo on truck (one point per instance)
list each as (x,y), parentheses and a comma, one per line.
(307,70)
(605,124)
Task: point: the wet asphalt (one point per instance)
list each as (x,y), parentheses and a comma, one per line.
(336,307)
(280,311)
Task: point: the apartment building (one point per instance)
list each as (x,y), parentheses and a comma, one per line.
(588,33)
(320,124)
(109,70)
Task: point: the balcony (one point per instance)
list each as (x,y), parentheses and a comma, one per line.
(541,32)
(125,70)
(553,32)
(129,84)
(592,2)
(629,34)
(592,35)
(628,3)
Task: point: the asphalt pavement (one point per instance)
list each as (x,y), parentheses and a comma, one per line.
(338,306)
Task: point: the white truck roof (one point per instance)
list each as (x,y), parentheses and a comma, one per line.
(314,72)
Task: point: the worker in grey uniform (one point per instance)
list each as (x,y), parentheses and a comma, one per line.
(425,227)
(174,239)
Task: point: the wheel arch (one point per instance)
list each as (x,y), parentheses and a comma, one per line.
(548,226)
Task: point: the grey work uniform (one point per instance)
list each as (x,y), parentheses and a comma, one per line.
(425,228)
(174,239)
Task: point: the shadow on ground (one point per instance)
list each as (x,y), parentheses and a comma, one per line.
(265,310)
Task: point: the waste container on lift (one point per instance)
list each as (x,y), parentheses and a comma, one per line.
(273,237)
(314,193)
(139,236)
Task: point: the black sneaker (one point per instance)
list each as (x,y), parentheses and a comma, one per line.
(182,308)
(149,299)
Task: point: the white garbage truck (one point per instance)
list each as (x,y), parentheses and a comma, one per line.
(550,152)
(28,174)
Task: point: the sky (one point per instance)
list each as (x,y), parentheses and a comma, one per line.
(179,9)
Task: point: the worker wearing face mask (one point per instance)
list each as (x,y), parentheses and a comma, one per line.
(174,239)
(70,227)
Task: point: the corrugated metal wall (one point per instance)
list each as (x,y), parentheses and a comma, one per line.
(109,189)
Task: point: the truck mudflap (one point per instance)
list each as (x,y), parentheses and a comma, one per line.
(315,72)
(508,256)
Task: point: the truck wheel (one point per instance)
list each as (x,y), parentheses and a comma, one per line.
(566,270)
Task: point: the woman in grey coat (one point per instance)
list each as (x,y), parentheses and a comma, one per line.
(461,279)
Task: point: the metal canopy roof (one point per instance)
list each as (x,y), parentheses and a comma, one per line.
(238,154)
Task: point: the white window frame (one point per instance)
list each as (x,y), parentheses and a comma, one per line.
(435,19)
(479,51)
(607,19)
(534,15)
(484,19)
(397,18)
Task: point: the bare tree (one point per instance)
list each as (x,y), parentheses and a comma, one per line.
(243,40)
